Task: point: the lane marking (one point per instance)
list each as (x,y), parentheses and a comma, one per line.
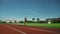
(16,29)
(43,30)
(32,29)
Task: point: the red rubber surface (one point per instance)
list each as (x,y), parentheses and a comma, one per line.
(4,29)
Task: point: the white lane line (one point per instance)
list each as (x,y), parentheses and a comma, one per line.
(43,30)
(16,29)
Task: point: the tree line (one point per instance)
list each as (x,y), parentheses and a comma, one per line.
(53,20)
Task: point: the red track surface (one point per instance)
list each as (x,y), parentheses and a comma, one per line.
(16,29)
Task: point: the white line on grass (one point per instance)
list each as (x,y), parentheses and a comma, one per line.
(16,29)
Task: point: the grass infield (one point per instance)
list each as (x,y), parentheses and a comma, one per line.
(56,25)
(44,25)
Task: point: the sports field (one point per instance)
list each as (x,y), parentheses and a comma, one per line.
(56,25)
(29,28)
(45,25)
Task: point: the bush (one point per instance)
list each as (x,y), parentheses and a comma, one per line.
(21,21)
(29,21)
(3,22)
(43,21)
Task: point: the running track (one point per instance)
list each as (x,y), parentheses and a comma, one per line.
(18,29)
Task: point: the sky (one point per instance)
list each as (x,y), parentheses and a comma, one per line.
(18,9)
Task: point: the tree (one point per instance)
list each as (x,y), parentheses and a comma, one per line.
(0,21)
(33,19)
(38,20)
(25,19)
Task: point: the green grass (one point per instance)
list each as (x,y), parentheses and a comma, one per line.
(56,25)
(44,25)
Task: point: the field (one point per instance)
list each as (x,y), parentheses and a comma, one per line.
(56,25)
(46,25)
(29,28)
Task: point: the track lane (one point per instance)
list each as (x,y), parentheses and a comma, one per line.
(11,29)
(30,30)
(5,30)
(16,30)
